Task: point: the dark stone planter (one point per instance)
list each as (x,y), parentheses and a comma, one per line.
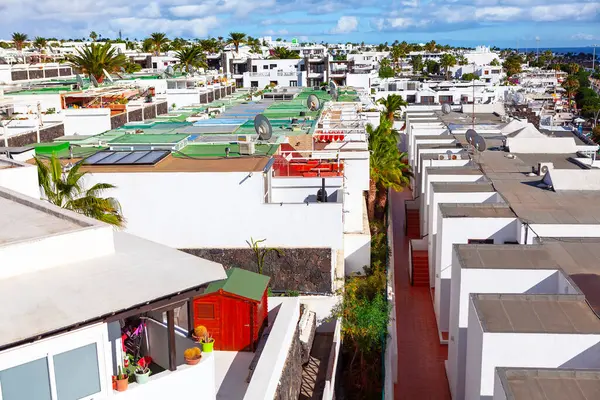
(135,115)
(118,120)
(149,111)
(291,376)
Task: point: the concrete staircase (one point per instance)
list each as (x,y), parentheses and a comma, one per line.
(413,224)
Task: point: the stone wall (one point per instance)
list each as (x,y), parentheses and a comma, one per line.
(118,120)
(162,108)
(524,112)
(305,270)
(51,133)
(149,111)
(291,376)
(36,74)
(66,71)
(23,140)
(51,73)
(135,115)
(18,75)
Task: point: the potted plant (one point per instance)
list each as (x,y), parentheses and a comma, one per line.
(142,371)
(207,342)
(199,333)
(192,355)
(122,380)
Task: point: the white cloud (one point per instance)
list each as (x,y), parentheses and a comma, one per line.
(497,13)
(345,24)
(410,3)
(198,27)
(151,11)
(585,36)
(211,7)
(559,12)
(272,32)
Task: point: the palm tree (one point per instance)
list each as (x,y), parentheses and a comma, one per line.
(417,63)
(94,58)
(189,57)
(158,40)
(93,36)
(447,61)
(430,46)
(66,190)
(392,104)
(397,53)
(387,166)
(178,44)
(284,54)
(236,38)
(571,85)
(19,40)
(40,43)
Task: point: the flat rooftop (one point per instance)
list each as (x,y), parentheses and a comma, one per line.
(51,299)
(554,314)
(505,256)
(23,219)
(469,210)
(531,200)
(454,171)
(462,187)
(549,384)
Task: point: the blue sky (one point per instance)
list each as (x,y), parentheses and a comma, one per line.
(456,22)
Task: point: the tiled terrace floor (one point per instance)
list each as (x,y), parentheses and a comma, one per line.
(421,372)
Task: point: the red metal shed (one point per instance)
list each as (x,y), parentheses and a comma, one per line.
(234,310)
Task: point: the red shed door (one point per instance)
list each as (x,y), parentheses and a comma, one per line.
(236,325)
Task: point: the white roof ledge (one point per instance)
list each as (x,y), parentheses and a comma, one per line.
(572,179)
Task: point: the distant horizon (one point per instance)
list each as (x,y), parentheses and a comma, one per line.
(467,23)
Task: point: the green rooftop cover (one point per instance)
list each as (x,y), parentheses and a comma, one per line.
(241,283)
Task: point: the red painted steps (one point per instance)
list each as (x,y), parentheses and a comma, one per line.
(413,222)
(420,268)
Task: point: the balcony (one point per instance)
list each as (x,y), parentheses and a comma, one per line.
(287,73)
(338,72)
(252,74)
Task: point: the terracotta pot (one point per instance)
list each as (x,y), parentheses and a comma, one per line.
(192,361)
(122,384)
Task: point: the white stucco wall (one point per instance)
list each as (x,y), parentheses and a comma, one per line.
(470,280)
(86,121)
(527,350)
(357,252)
(499,393)
(26,103)
(218,209)
(456,231)
(22,178)
(562,230)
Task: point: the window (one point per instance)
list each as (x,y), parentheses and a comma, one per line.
(273,66)
(205,311)
(79,382)
(254,68)
(26,381)
(486,72)
(253,83)
(293,83)
(265,67)
(481,241)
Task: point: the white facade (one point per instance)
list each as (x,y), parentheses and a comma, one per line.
(86,121)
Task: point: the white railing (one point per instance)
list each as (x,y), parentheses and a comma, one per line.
(282,73)
(259,74)
(334,355)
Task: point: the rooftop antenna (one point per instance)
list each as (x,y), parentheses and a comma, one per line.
(263,127)
(79,80)
(537,54)
(94,81)
(108,77)
(312,102)
(39,114)
(473,115)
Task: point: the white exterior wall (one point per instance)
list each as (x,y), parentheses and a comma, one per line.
(499,393)
(183,97)
(466,281)
(432,218)
(562,230)
(419,180)
(357,252)
(356,181)
(358,80)
(300,189)
(474,354)
(456,231)
(26,103)
(86,121)
(426,189)
(22,178)
(533,350)
(204,210)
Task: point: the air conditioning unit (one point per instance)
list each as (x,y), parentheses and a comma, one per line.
(544,167)
(442,157)
(244,138)
(247,148)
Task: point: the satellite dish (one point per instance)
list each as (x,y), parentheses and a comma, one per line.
(123,70)
(519,98)
(334,94)
(169,71)
(479,143)
(470,135)
(263,127)
(94,81)
(108,77)
(79,80)
(446,109)
(312,102)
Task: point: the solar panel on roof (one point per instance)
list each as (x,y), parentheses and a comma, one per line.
(152,157)
(132,157)
(113,158)
(137,157)
(97,157)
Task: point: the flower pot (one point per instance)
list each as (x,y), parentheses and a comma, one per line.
(114,382)
(208,347)
(122,384)
(192,361)
(142,378)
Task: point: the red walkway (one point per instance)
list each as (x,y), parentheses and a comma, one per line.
(421,372)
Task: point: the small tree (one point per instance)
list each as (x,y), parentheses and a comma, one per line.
(592,108)
(261,252)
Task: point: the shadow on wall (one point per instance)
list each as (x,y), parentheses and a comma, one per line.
(589,359)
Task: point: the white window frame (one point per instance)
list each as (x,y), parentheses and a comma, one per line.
(48,348)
